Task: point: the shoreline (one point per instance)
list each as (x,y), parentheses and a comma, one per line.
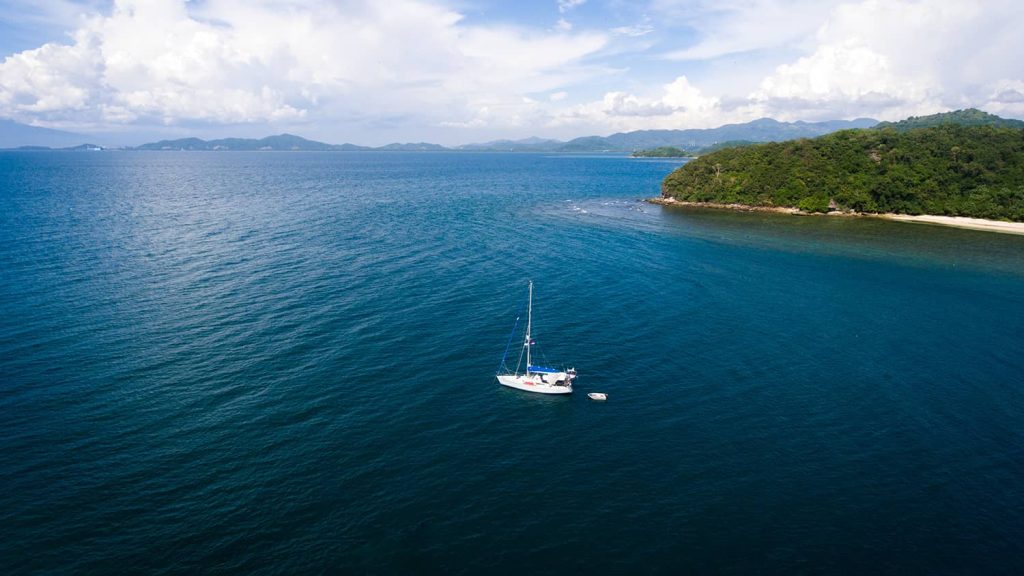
(951,221)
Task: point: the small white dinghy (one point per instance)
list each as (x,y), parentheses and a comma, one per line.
(597,396)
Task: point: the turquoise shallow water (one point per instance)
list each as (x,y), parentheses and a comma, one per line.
(283,363)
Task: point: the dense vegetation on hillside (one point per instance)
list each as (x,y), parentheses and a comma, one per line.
(661,152)
(968,117)
(948,169)
(726,144)
(676,152)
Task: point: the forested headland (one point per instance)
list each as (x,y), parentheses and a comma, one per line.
(965,163)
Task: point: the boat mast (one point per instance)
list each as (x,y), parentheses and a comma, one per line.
(529,327)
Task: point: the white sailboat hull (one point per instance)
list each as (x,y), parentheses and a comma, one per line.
(538,379)
(533,383)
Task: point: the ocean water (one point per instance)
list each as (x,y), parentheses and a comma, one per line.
(267,363)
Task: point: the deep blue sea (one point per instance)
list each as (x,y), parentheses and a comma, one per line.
(283,363)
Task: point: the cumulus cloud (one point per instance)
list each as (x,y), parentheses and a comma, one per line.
(622,104)
(679,105)
(1008,92)
(341,69)
(1006,98)
(235,61)
(898,58)
(887,60)
(839,79)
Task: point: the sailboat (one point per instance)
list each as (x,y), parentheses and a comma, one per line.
(538,379)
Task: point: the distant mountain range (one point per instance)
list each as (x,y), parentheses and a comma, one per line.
(763,130)
(13,135)
(525,145)
(79,148)
(279,142)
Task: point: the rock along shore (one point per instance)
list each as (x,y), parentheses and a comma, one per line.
(955,221)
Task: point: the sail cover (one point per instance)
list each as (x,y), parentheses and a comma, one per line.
(541,369)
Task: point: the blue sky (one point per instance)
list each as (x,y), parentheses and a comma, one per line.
(457,71)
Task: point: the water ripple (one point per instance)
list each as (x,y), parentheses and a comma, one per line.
(269,363)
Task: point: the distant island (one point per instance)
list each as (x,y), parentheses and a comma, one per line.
(17,136)
(281,142)
(79,148)
(662,152)
(966,163)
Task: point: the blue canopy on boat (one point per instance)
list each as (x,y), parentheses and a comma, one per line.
(542,369)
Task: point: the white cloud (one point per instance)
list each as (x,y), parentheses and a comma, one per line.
(622,104)
(1006,98)
(838,79)
(726,28)
(567,5)
(235,61)
(897,58)
(1008,92)
(679,105)
(53,78)
(371,71)
(681,95)
(633,31)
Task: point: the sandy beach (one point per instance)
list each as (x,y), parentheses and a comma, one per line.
(960,222)
(955,221)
